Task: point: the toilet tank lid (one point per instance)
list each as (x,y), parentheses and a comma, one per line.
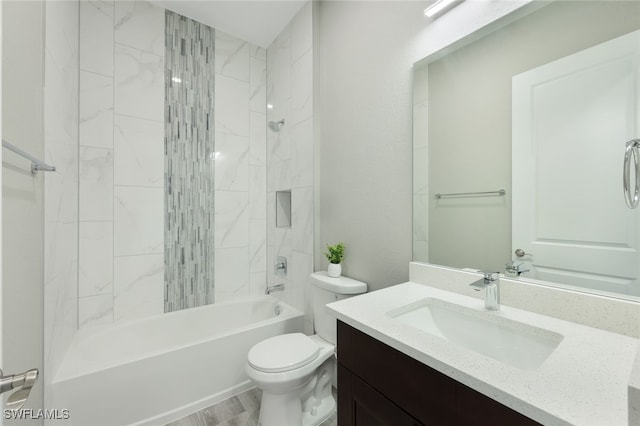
(340,285)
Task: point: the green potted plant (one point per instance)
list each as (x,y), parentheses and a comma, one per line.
(334,255)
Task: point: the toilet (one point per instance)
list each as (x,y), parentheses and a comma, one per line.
(294,371)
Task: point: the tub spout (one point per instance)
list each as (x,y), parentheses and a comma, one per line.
(272,288)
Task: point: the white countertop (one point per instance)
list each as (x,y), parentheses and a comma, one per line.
(583,382)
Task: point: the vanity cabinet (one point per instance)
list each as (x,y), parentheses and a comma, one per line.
(379,385)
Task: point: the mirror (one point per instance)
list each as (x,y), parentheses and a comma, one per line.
(519,140)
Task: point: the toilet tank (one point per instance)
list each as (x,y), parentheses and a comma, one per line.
(325,289)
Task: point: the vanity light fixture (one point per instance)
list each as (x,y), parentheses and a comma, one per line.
(440,7)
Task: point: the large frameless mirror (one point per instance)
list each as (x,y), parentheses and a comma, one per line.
(519,145)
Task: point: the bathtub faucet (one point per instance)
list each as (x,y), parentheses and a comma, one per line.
(272,288)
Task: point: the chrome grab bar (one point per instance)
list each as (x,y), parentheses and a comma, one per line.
(36,165)
(498,193)
(631,150)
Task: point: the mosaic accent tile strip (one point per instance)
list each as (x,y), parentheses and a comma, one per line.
(189,163)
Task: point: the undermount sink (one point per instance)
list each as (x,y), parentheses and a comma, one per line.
(512,342)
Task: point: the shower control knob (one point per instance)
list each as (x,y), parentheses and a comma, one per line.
(521,253)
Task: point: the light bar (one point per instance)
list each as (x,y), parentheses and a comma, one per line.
(440,7)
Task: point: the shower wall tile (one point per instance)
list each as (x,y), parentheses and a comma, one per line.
(138,220)
(279,143)
(232,275)
(138,152)
(258,193)
(302,220)
(232,162)
(232,56)
(96,184)
(95,310)
(258,138)
(302,88)
(301,267)
(139,83)
(63,201)
(61,121)
(232,220)
(258,52)
(140,24)
(232,106)
(258,84)
(283,242)
(279,175)
(258,283)
(271,66)
(96,259)
(302,157)
(282,66)
(258,245)
(301,32)
(271,220)
(271,260)
(96,110)
(138,286)
(289,155)
(96,36)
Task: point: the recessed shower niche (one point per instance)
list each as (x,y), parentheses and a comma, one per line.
(283,209)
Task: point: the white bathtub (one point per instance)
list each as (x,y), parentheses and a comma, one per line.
(158,369)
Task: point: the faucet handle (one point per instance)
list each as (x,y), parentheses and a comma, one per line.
(491,276)
(512,268)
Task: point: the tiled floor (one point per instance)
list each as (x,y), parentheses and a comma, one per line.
(239,410)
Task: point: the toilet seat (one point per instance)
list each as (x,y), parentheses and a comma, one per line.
(282,353)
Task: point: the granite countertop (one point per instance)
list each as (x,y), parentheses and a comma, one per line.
(583,382)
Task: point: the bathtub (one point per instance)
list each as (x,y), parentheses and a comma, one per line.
(158,369)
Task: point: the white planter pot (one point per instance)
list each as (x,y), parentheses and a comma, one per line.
(334,270)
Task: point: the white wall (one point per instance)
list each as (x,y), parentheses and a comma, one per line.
(365,98)
(365,58)
(22,193)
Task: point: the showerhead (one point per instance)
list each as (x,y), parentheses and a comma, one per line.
(275,126)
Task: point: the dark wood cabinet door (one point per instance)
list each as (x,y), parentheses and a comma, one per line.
(379,385)
(361,405)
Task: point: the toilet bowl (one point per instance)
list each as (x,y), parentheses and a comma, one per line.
(294,371)
(286,368)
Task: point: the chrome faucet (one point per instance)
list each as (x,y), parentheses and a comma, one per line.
(492,293)
(514,269)
(272,288)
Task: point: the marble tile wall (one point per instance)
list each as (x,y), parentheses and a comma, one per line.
(290,156)
(61,195)
(121,188)
(121,168)
(240,168)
